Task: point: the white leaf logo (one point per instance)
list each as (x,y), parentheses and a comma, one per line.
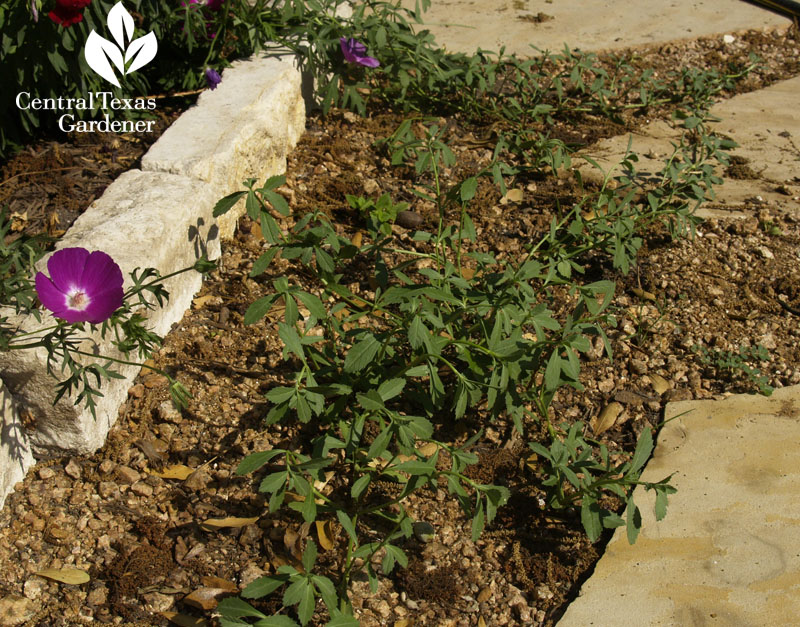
(99,50)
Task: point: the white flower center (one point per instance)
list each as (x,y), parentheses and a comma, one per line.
(77,299)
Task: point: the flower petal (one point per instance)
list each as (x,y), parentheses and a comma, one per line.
(66,267)
(102,305)
(51,297)
(369,61)
(100,274)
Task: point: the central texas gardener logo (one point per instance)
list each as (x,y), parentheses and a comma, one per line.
(101,53)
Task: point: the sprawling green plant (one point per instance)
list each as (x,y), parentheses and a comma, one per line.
(439,333)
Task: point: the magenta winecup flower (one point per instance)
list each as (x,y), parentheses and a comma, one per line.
(82,286)
(356,52)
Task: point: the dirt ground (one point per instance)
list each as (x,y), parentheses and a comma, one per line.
(140,536)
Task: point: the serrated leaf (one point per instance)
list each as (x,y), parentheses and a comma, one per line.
(391,388)
(590,518)
(478,523)
(72,576)
(347,523)
(259,309)
(634,522)
(359,485)
(263,586)
(256,460)
(215,524)
(361,354)
(291,339)
(234,607)
(643,449)
(224,205)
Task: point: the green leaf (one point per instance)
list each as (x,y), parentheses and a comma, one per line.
(262,263)
(643,449)
(256,460)
(277,201)
(468,189)
(309,556)
(276,620)
(380,443)
(234,607)
(342,620)
(391,388)
(661,505)
(313,304)
(326,590)
(224,205)
(273,482)
(552,374)
(369,402)
(347,524)
(415,467)
(291,339)
(361,354)
(590,518)
(359,485)
(280,394)
(417,333)
(478,523)
(259,309)
(263,586)
(634,522)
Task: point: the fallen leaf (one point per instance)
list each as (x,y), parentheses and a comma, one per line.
(481,622)
(212,524)
(356,241)
(606,418)
(211,581)
(178,471)
(65,575)
(467,273)
(404,622)
(183,620)
(325,534)
(659,383)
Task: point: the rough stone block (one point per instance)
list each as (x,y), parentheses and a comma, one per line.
(144,219)
(15,450)
(242,129)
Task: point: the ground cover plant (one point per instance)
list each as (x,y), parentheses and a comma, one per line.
(392,316)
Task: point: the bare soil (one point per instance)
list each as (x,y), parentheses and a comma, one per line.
(139,535)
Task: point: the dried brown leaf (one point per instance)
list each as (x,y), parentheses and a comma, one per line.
(213,524)
(71,576)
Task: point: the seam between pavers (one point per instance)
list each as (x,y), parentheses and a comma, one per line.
(169,201)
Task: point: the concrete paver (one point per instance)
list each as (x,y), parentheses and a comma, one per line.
(465,25)
(765,124)
(728,551)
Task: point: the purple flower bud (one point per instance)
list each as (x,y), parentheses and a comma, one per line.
(212,78)
(82,286)
(34,11)
(356,52)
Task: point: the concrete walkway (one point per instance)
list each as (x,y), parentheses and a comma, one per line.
(728,552)
(465,25)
